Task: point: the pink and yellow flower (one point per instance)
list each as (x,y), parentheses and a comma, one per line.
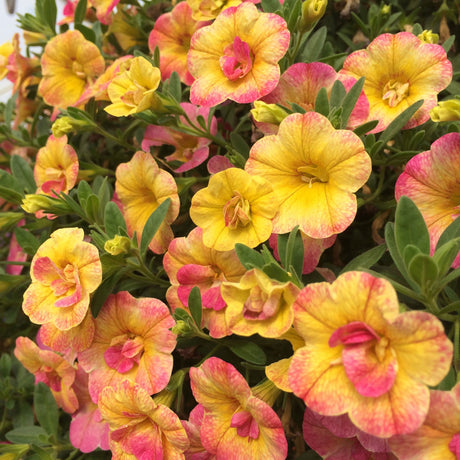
(236,423)
(5,50)
(190,263)
(65,271)
(363,358)
(104,9)
(132,342)
(140,427)
(400,70)
(192,426)
(141,187)
(314,170)
(234,208)
(257,304)
(204,10)
(126,33)
(69,63)
(172,33)
(432,180)
(237,56)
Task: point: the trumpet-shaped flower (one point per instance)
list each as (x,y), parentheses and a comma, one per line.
(203,10)
(400,70)
(141,187)
(65,271)
(139,427)
(190,263)
(363,358)
(133,342)
(69,64)
(234,208)
(172,33)
(432,180)
(314,170)
(236,423)
(236,57)
(257,304)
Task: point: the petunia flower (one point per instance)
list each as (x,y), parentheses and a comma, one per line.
(172,33)
(363,358)
(141,186)
(400,70)
(133,342)
(65,271)
(126,33)
(314,170)
(236,57)
(234,208)
(236,423)
(432,180)
(104,9)
(204,10)
(192,426)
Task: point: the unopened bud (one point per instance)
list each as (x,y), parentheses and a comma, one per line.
(446,111)
(64,125)
(35,202)
(117,245)
(268,113)
(427,36)
(312,12)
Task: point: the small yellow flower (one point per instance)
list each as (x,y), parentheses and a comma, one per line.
(5,50)
(427,36)
(117,245)
(446,111)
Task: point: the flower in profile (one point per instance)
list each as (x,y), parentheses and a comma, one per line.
(65,271)
(363,358)
(123,29)
(140,427)
(234,208)
(133,342)
(400,70)
(236,423)
(104,9)
(204,10)
(172,33)
(69,64)
(192,426)
(141,187)
(256,304)
(133,89)
(188,263)
(314,170)
(20,68)
(189,149)
(5,50)
(236,57)
(431,180)
(439,436)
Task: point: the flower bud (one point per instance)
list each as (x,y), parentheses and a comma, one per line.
(312,12)
(64,125)
(268,113)
(446,111)
(427,36)
(117,245)
(35,202)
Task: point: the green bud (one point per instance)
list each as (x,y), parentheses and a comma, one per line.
(117,245)
(446,111)
(427,36)
(312,12)
(268,113)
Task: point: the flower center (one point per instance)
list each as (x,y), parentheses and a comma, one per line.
(77,69)
(245,425)
(237,212)
(260,305)
(124,352)
(394,92)
(313,173)
(236,61)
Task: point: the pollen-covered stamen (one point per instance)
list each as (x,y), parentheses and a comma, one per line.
(237,59)
(313,173)
(237,212)
(394,92)
(245,425)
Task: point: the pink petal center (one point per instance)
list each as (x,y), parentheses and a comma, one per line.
(351,333)
(49,377)
(245,425)
(454,445)
(124,352)
(260,305)
(236,61)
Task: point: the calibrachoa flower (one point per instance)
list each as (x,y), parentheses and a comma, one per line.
(234,208)
(189,149)
(104,9)
(132,342)
(439,436)
(5,50)
(236,423)
(65,271)
(190,263)
(363,358)
(192,426)
(69,64)
(237,56)
(432,180)
(314,170)
(210,9)
(139,427)
(257,304)
(172,33)
(400,70)
(141,187)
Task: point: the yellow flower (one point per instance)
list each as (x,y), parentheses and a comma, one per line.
(5,50)
(446,111)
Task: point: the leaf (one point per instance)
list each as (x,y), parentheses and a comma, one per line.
(350,100)
(181,315)
(295,252)
(448,43)
(26,240)
(84,191)
(92,208)
(366,260)
(249,351)
(87,32)
(274,271)
(314,46)
(27,435)
(195,306)
(5,365)
(295,12)
(153,224)
(451,232)
(175,87)
(248,257)
(410,251)
(322,102)
(23,173)
(240,144)
(423,270)
(338,93)
(46,409)
(80,12)
(444,256)
(103,291)
(113,219)
(270,6)
(50,13)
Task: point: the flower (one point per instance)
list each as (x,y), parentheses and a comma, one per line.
(196,451)
(141,187)
(5,50)
(234,208)
(65,271)
(400,70)
(236,57)
(133,342)
(236,423)
(431,180)
(124,29)
(104,9)
(363,358)
(69,64)
(446,111)
(139,427)
(172,33)
(314,170)
(210,9)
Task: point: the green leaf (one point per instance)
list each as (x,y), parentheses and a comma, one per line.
(8,181)
(50,13)
(80,12)
(27,435)
(23,414)
(240,144)
(87,32)
(46,409)
(423,270)
(26,240)
(41,453)
(274,271)
(92,208)
(249,351)
(103,291)
(175,87)
(449,381)
(366,260)
(113,219)
(410,251)
(451,232)
(195,306)
(153,224)
(181,315)
(410,227)
(84,191)
(447,45)
(445,255)
(322,102)
(5,365)
(295,12)
(314,46)
(270,6)
(248,257)
(338,93)
(295,252)
(350,100)
(23,173)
